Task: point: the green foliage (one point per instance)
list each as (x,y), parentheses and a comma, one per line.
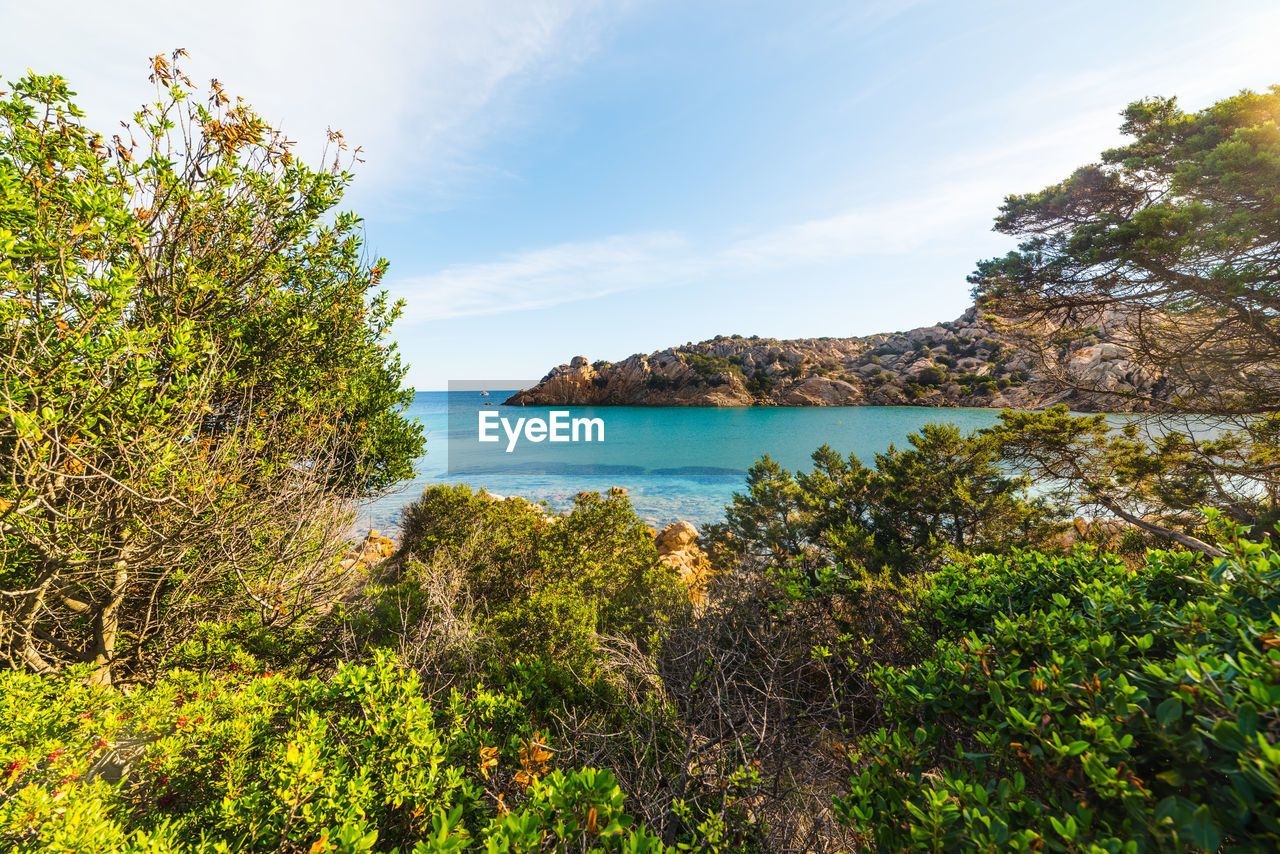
(760,384)
(362,762)
(710,369)
(932,376)
(1073,704)
(553,588)
(192,371)
(1158,483)
(943,494)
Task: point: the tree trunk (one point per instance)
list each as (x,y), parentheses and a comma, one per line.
(1167,533)
(105,629)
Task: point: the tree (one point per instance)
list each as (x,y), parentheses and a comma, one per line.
(1157,484)
(947,491)
(944,492)
(193,383)
(1173,241)
(1172,244)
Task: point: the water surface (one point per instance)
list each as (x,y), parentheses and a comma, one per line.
(675,462)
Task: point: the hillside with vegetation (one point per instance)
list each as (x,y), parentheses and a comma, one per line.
(976,360)
(1045,635)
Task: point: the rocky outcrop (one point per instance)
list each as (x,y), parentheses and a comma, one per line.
(678,548)
(369,552)
(969,361)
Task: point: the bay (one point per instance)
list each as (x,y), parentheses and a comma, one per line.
(675,462)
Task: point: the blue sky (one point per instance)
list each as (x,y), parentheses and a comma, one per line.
(559,177)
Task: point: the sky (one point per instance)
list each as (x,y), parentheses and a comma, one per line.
(552,178)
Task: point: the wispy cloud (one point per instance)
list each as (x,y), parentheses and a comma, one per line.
(571,272)
(1033,135)
(942,209)
(420,85)
(544,277)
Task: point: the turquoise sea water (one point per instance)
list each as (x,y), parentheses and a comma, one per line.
(676,462)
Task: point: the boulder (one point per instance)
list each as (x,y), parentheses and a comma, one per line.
(678,548)
(822,391)
(675,537)
(370,551)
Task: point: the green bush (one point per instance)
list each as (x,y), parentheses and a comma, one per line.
(194,371)
(1073,704)
(942,495)
(551,592)
(931,376)
(760,384)
(710,369)
(265,762)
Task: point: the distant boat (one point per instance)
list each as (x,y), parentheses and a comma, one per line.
(484,393)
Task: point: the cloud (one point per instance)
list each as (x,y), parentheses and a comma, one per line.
(935,211)
(571,272)
(544,277)
(1031,136)
(419,85)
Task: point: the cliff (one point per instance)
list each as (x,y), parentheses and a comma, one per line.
(964,362)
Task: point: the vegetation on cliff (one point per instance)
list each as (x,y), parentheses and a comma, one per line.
(971,361)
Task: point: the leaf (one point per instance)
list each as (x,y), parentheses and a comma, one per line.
(1203,831)
(1169,711)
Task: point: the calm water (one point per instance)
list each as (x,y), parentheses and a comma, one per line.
(676,462)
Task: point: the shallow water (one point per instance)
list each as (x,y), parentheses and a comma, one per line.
(675,462)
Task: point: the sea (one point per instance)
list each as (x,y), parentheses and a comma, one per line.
(676,463)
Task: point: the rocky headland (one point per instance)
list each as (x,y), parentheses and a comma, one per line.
(969,361)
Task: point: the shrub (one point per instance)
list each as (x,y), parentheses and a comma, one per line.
(553,589)
(712,370)
(1071,703)
(760,383)
(932,377)
(193,371)
(944,493)
(362,762)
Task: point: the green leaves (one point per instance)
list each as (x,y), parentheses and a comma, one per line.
(1169,711)
(264,763)
(193,370)
(942,495)
(1133,702)
(1163,241)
